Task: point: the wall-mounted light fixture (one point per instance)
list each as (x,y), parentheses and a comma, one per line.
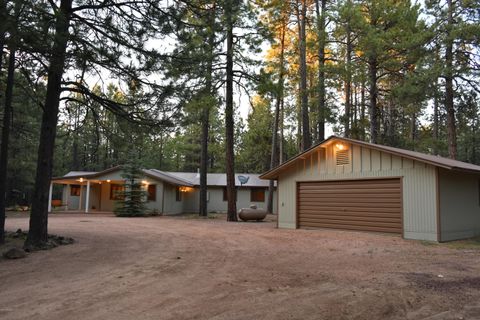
(341,146)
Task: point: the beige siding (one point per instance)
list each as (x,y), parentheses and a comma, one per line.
(165,198)
(114,175)
(216,203)
(418,184)
(95,196)
(106,204)
(459,205)
(172,206)
(191,201)
(157,204)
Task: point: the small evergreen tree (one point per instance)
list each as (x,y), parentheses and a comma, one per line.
(133,196)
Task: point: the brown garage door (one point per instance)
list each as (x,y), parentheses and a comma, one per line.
(368,205)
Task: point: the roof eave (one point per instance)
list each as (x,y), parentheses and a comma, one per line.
(274,173)
(74,177)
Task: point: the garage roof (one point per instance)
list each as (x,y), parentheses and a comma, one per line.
(437,161)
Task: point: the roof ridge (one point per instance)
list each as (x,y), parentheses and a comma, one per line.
(170,175)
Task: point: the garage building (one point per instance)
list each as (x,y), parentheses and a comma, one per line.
(354,185)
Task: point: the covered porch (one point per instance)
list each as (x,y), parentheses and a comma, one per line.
(84,195)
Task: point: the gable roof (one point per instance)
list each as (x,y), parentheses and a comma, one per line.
(436,161)
(187,179)
(220,179)
(164,176)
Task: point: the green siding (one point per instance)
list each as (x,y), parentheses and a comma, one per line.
(418,183)
(459,205)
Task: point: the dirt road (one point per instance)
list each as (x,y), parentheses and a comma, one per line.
(173,268)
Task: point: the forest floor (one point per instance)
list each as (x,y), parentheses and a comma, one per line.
(185,268)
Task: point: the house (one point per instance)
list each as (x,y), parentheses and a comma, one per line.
(348,184)
(167,192)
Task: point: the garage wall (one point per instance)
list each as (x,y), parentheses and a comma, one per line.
(459,205)
(419,184)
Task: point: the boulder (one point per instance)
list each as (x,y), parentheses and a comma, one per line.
(14,253)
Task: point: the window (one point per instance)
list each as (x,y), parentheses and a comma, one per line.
(178,194)
(257,194)
(152,192)
(225,194)
(75,190)
(116,191)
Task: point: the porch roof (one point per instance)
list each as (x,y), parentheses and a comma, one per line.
(75,176)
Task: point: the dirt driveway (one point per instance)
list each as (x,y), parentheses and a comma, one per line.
(173,268)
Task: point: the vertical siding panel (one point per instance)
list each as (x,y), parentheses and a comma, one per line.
(386,161)
(407,163)
(330,160)
(314,163)
(396,162)
(366,160)
(319,160)
(376,160)
(357,159)
(323,160)
(349,167)
(306,162)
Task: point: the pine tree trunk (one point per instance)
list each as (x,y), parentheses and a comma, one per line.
(3,20)
(413,129)
(274,155)
(3,29)
(374,125)
(205,121)
(435,120)
(390,128)
(160,156)
(449,94)
(362,110)
(7,116)
(229,124)
(282,139)
(38,231)
(204,162)
(306,138)
(348,83)
(320,9)
(355,113)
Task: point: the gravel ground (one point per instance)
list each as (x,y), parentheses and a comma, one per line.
(177,268)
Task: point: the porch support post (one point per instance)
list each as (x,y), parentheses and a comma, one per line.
(80,198)
(67,196)
(87,197)
(50,191)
